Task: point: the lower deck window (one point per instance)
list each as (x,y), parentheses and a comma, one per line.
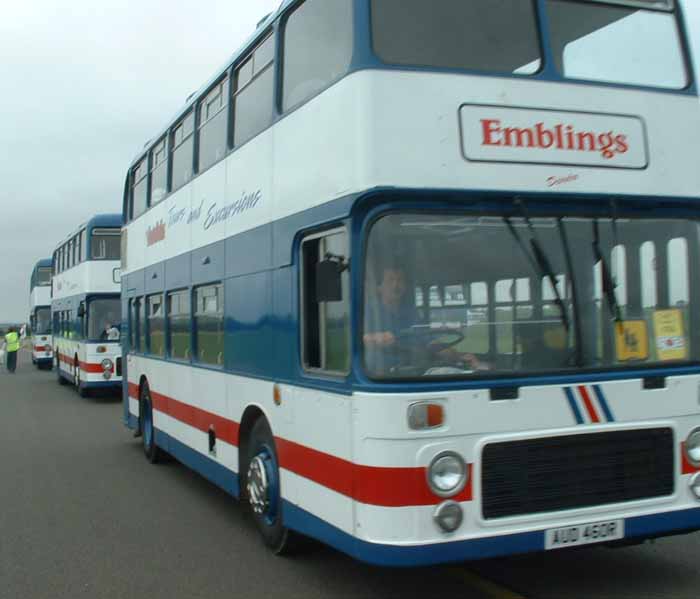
(326,324)
(179,325)
(155,332)
(209,324)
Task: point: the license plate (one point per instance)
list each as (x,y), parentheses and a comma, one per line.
(584,534)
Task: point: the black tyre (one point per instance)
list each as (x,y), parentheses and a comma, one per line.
(153,453)
(79,385)
(59,377)
(260,489)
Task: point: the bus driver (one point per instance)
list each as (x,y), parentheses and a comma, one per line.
(390,318)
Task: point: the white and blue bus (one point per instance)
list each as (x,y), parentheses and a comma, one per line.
(421,279)
(85,306)
(40,314)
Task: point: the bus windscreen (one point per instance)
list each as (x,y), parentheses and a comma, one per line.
(449,295)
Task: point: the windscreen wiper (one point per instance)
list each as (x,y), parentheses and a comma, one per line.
(540,263)
(609,285)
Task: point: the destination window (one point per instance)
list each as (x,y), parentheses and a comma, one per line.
(497,36)
(616,44)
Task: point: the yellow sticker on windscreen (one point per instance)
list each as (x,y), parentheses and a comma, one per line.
(671,343)
(632,340)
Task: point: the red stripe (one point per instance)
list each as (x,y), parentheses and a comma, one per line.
(41,348)
(84,366)
(389,487)
(589,404)
(686,466)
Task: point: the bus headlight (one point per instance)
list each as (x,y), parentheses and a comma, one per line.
(107,365)
(448,516)
(692,447)
(695,485)
(447,474)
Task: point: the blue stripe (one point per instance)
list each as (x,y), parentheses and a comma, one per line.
(458,551)
(306,523)
(573,405)
(209,468)
(603,403)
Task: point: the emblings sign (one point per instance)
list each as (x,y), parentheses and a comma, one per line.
(497,134)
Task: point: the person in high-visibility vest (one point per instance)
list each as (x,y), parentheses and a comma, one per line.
(12,347)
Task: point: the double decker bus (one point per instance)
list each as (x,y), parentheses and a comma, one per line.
(85,306)
(420,279)
(40,314)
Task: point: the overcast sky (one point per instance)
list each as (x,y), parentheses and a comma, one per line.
(84,85)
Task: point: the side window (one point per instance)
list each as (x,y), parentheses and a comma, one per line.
(159,172)
(132,324)
(182,144)
(105,244)
(83,245)
(139,189)
(179,325)
(253,91)
(317,48)
(141,325)
(326,324)
(155,330)
(213,125)
(209,324)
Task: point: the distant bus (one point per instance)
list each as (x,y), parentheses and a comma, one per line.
(40,314)
(85,306)
(422,279)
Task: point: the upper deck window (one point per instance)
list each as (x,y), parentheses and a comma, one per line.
(616,44)
(159,172)
(252,96)
(139,192)
(105,244)
(43,276)
(212,125)
(480,35)
(182,145)
(317,48)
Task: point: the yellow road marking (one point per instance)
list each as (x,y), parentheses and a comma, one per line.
(489,588)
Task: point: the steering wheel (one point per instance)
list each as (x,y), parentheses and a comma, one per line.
(428,338)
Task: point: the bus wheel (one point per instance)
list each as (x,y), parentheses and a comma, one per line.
(153,453)
(61,380)
(82,391)
(261,488)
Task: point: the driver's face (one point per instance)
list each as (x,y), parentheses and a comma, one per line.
(392,288)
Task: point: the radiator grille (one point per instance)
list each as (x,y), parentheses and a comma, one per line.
(575,471)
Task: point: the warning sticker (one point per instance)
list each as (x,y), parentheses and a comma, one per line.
(671,343)
(632,340)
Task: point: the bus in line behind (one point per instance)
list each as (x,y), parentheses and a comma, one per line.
(85,306)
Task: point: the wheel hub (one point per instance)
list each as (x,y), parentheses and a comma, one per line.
(258,485)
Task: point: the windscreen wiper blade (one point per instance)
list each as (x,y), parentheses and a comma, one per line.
(547,271)
(540,264)
(608,282)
